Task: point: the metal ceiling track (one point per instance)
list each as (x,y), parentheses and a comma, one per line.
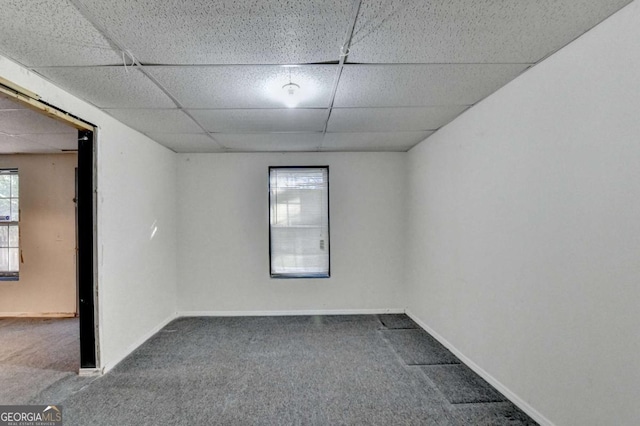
(297,65)
(121,48)
(32,101)
(344,52)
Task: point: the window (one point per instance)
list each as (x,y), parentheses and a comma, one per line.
(299,222)
(9,231)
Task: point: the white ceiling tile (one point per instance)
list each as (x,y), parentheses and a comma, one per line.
(49,33)
(270,141)
(227,31)
(390,119)
(55,141)
(247,86)
(187,142)
(110,87)
(261,120)
(421,85)
(446,31)
(23,121)
(15,145)
(388,141)
(155,120)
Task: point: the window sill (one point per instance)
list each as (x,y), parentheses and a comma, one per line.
(298,276)
(15,277)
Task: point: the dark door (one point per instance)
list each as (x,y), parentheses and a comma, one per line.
(84,235)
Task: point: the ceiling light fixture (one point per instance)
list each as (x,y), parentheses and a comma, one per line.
(291,89)
(285,92)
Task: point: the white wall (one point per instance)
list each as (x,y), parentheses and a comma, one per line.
(136,187)
(47,285)
(223,243)
(137,239)
(524,250)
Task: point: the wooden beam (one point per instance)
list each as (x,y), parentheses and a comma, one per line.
(19,89)
(31,101)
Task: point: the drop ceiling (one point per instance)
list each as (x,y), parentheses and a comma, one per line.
(203,76)
(25,131)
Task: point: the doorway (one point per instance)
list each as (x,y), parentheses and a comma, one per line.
(83,188)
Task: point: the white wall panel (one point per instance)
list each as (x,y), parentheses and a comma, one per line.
(135,177)
(524,236)
(223,244)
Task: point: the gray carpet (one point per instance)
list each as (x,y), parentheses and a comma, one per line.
(460,385)
(397,321)
(469,398)
(312,370)
(36,354)
(417,347)
(261,370)
(492,414)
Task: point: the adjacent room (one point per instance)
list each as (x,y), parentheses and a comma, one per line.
(39,326)
(317,212)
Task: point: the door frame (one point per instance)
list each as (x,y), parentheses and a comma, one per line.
(86,227)
(86,236)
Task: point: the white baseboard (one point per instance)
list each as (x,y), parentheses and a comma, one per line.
(532,412)
(89,372)
(290,313)
(37,314)
(112,363)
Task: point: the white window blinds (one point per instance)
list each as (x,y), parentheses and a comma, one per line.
(299,222)
(9,222)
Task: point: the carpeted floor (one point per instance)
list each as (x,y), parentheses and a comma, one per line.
(37,355)
(316,370)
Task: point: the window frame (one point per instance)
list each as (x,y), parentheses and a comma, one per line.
(328,243)
(11,275)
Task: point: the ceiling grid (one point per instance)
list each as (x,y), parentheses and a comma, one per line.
(126,52)
(344,53)
(25,130)
(373,75)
